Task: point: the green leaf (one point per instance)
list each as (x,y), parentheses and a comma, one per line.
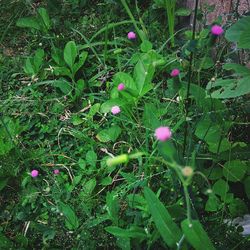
(82,58)
(234,170)
(110,134)
(169,231)
(196,235)
(89,186)
(183,12)
(212,204)
(146,46)
(151,116)
(71,220)
(220,187)
(238,207)
(3,183)
(28,22)
(80,84)
(91,158)
(5,243)
(70,53)
(133,232)
(237,68)
(63,85)
(246,185)
(239,32)
(45,18)
(113,207)
(125,78)
(106,106)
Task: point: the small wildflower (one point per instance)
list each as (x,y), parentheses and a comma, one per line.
(115,110)
(131,35)
(56,171)
(217,30)
(175,72)
(163,133)
(121,87)
(187,171)
(34,173)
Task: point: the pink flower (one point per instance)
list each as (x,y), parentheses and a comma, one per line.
(115,110)
(56,171)
(163,133)
(121,87)
(131,35)
(34,173)
(217,30)
(175,72)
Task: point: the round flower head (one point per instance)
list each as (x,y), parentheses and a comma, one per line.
(56,171)
(217,30)
(121,87)
(34,173)
(175,72)
(187,171)
(163,133)
(115,110)
(131,35)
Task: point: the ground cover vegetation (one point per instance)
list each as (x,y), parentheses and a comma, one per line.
(121,127)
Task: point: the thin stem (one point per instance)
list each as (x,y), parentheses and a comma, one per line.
(125,5)
(187,103)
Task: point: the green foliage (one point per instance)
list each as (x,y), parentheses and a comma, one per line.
(97,170)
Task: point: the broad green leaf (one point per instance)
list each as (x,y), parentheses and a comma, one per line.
(70,54)
(125,78)
(63,85)
(133,232)
(146,46)
(238,207)
(151,116)
(110,134)
(29,22)
(113,207)
(230,88)
(234,170)
(82,58)
(196,235)
(239,32)
(38,59)
(45,18)
(91,158)
(169,231)
(212,204)
(80,84)
(106,106)
(89,186)
(220,187)
(237,68)
(71,220)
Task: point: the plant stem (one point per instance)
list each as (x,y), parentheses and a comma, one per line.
(187,102)
(125,5)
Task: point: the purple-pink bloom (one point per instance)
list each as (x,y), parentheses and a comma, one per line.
(34,173)
(131,35)
(121,87)
(217,30)
(56,171)
(115,110)
(163,133)
(175,72)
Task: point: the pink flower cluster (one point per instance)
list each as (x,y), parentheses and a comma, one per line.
(217,30)
(131,35)
(163,133)
(34,173)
